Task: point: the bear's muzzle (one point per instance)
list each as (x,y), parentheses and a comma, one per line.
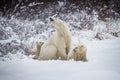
(51,19)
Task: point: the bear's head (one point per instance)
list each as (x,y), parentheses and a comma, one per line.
(58,23)
(79,48)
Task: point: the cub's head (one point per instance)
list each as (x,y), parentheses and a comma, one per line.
(79,48)
(39,44)
(57,23)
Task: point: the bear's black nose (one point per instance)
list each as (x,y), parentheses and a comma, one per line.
(51,19)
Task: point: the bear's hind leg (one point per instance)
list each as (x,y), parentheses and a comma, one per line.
(48,53)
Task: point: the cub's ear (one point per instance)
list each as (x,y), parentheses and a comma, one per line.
(41,43)
(37,42)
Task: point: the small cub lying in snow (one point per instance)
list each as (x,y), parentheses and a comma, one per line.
(78,53)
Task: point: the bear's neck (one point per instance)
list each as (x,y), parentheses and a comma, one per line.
(63,32)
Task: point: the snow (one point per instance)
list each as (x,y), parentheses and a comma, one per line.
(32,24)
(100,27)
(33,4)
(103,64)
(103,56)
(60,3)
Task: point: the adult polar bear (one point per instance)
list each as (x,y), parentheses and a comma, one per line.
(59,44)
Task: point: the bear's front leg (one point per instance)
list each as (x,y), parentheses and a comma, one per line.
(62,49)
(62,55)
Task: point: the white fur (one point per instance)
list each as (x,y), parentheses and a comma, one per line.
(59,44)
(78,53)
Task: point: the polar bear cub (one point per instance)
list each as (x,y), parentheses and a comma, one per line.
(78,53)
(36,51)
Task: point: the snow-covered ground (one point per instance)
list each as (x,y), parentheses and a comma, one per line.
(103,64)
(31,23)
